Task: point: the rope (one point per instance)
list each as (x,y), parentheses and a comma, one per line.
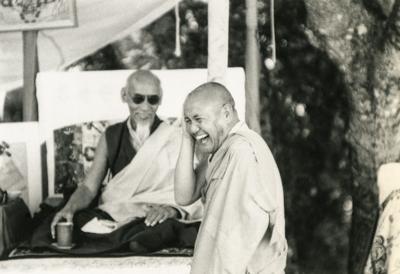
(177,51)
(270,62)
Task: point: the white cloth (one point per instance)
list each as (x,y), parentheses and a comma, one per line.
(99,226)
(148,179)
(100,22)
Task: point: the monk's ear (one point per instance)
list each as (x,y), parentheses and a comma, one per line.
(227,110)
(123,95)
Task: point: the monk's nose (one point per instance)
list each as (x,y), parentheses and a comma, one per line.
(194,128)
(146,104)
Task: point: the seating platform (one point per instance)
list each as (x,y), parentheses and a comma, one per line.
(98,265)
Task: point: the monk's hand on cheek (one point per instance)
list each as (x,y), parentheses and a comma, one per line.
(185,131)
(159,213)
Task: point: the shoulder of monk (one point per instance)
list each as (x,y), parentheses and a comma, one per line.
(173,129)
(116,127)
(239,145)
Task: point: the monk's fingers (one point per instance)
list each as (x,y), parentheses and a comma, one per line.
(157,218)
(161,217)
(151,215)
(68,217)
(158,215)
(185,130)
(56,219)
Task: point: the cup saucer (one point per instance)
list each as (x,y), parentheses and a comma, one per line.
(63,247)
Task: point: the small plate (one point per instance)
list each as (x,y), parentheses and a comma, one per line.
(63,247)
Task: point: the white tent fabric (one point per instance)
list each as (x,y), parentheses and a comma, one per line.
(100,22)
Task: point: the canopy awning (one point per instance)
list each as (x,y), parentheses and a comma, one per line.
(100,22)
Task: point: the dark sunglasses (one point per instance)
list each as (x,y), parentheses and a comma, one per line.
(151,99)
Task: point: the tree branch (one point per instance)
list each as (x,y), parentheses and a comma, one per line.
(380,9)
(330,27)
(392,30)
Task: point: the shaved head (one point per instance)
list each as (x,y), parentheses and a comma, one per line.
(210,114)
(212,93)
(143,77)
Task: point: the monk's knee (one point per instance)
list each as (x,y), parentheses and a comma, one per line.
(137,248)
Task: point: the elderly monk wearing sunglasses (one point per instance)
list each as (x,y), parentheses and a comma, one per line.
(136,208)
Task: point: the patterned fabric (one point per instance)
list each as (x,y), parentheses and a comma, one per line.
(26,252)
(74,149)
(384,257)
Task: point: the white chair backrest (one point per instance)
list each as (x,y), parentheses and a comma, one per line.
(67,98)
(388,180)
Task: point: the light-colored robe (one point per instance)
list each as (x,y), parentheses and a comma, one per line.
(147,179)
(243,228)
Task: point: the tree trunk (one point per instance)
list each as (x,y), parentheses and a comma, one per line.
(363,38)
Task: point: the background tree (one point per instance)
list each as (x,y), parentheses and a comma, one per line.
(362,38)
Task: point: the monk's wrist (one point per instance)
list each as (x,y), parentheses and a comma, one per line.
(174,212)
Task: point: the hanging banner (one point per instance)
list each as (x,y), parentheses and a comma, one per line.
(36,14)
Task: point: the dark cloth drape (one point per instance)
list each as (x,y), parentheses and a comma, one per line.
(15,224)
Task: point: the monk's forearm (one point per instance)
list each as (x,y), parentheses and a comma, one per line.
(185,179)
(80,199)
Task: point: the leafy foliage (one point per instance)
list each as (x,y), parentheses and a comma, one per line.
(308,109)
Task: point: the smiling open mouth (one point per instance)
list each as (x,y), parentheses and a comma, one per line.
(202,139)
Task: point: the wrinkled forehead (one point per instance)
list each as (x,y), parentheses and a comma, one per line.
(198,106)
(143,87)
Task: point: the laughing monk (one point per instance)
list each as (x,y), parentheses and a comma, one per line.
(243,228)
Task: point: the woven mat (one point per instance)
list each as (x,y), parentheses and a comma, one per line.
(24,252)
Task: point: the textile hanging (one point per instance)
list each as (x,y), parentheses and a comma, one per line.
(100,22)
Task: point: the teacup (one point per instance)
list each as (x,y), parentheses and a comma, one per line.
(64,234)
